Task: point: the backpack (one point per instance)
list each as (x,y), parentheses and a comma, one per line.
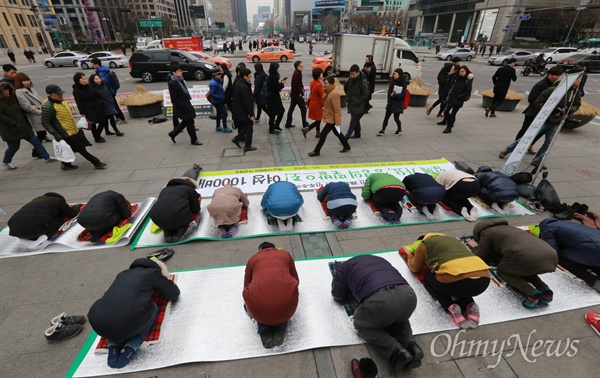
(208,97)
(114,81)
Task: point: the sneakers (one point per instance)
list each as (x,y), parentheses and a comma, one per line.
(61,331)
(9,166)
(546,298)
(250,148)
(68,319)
(100,166)
(397,133)
(219,129)
(381,133)
(593,319)
(314,153)
(457,316)
(68,167)
(227,130)
(532,300)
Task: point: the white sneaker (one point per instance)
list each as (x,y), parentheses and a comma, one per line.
(9,166)
(497,208)
(380,133)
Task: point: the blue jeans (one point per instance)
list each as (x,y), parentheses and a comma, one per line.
(14,145)
(549,131)
(136,341)
(221,115)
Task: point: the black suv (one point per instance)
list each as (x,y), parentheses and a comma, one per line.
(153,64)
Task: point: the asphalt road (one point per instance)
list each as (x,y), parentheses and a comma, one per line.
(42,76)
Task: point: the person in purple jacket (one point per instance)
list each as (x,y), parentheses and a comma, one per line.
(386,303)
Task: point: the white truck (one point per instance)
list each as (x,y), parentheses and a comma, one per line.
(388,53)
(142,42)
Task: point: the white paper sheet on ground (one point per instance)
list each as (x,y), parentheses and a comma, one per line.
(67,241)
(208,322)
(313,220)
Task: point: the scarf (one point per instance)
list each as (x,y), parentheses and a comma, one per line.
(181,82)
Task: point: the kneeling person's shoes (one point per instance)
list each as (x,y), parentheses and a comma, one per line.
(267,339)
(278,336)
(400,359)
(417,353)
(62,332)
(68,319)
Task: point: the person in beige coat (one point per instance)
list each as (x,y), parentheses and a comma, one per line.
(31,103)
(225,209)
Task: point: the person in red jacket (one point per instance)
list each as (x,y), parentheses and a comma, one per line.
(271,292)
(297,96)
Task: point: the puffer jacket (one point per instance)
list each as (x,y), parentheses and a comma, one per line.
(459,91)
(574,241)
(512,250)
(377,181)
(99,213)
(88,103)
(31,103)
(57,119)
(498,186)
(332,108)
(259,89)
(282,199)
(217,93)
(357,94)
(175,204)
(106,101)
(13,125)
(126,307)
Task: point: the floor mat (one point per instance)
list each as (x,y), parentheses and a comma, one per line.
(211,298)
(68,241)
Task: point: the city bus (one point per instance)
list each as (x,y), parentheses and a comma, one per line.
(589,46)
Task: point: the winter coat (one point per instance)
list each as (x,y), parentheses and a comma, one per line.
(574,241)
(423,188)
(536,90)
(228,87)
(357,94)
(13,124)
(243,105)
(181,99)
(282,199)
(442,77)
(371,77)
(271,286)
(502,78)
(315,100)
(362,276)
(31,103)
(106,102)
(175,204)
(259,89)
(98,213)
(126,307)
(332,105)
(217,93)
(512,250)
(336,190)
(376,181)
(226,205)
(449,178)
(460,90)
(395,101)
(572,95)
(58,119)
(36,217)
(498,186)
(88,103)
(104,72)
(297,86)
(274,87)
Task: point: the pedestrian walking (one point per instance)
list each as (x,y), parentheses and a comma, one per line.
(491,51)
(88,105)
(31,104)
(260,83)
(357,94)
(498,49)
(370,71)
(274,105)
(11,56)
(243,110)
(107,109)
(124,49)
(458,94)
(217,99)
(297,96)
(112,82)
(395,101)
(442,79)
(182,105)
(310,48)
(502,79)
(483,47)
(315,103)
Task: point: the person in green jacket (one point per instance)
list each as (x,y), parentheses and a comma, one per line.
(385,191)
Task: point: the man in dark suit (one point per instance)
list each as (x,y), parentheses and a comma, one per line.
(501,80)
(243,110)
(182,105)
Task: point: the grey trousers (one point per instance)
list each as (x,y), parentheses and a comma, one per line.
(383,319)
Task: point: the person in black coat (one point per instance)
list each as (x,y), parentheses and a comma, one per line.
(442,79)
(243,110)
(460,87)
(496,189)
(502,79)
(371,75)
(395,101)
(106,105)
(104,211)
(42,216)
(182,105)
(275,107)
(424,192)
(126,312)
(175,206)
(88,105)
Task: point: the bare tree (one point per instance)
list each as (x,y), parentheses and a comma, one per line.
(330,23)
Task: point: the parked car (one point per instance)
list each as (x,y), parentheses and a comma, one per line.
(324,63)
(520,55)
(211,58)
(554,54)
(113,60)
(273,53)
(207,45)
(150,65)
(589,61)
(459,52)
(65,58)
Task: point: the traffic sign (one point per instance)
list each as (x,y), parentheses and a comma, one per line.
(267,30)
(526,17)
(318,27)
(277,29)
(151,23)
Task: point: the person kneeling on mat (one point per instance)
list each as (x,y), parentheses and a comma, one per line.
(518,256)
(456,275)
(271,292)
(103,212)
(460,186)
(578,247)
(385,190)
(176,206)
(37,222)
(341,203)
(225,209)
(424,192)
(496,189)
(126,312)
(386,303)
(282,200)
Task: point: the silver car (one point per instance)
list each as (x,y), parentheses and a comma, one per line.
(207,45)
(65,58)
(458,52)
(520,55)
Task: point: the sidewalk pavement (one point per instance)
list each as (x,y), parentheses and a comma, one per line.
(36,288)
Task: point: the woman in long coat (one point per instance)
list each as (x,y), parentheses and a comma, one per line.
(315,102)
(88,105)
(31,103)
(274,104)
